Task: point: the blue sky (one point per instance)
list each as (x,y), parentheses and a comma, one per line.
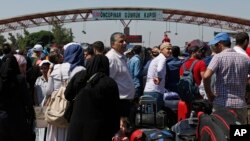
(150,30)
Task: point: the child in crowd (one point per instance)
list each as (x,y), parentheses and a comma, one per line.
(121,134)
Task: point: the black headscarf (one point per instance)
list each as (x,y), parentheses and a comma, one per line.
(9,66)
(15,98)
(8,71)
(99,63)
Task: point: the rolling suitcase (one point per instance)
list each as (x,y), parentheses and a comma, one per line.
(146,115)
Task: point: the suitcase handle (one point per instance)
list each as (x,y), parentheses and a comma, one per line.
(147,98)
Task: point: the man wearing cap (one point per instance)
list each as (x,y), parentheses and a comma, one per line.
(194,49)
(231,71)
(135,70)
(155,83)
(37,51)
(129,54)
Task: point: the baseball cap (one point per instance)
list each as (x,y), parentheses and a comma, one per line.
(127,51)
(196,45)
(223,36)
(44,62)
(38,47)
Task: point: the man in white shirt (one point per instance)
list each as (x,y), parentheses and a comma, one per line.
(120,73)
(155,84)
(242,41)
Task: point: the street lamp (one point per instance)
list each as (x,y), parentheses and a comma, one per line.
(149,38)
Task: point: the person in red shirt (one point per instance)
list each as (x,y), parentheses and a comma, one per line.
(248,51)
(166,38)
(194,49)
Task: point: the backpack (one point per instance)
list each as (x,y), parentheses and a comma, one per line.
(224,118)
(209,130)
(216,127)
(152,135)
(57,106)
(187,89)
(185,129)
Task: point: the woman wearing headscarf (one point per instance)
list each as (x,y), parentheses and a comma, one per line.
(22,63)
(73,63)
(95,114)
(16,110)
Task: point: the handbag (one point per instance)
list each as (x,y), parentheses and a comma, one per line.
(57,106)
(40,117)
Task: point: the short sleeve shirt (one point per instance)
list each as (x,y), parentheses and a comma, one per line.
(199,67)
(231,71)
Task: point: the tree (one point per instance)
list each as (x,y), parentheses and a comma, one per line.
(13,40)
(2,40)
(42,37)
(25,32)
(62,35)
(30,39)
(21,41)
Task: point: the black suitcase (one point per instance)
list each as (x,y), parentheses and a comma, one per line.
(146,115)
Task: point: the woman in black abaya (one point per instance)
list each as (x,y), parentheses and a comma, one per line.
(16,110)
(95,114)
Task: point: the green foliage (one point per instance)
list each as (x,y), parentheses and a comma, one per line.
(42,37)
(62,35)
(21,41)
(26,32)
(13,40)
(59,35)
(2,40)
(30,39)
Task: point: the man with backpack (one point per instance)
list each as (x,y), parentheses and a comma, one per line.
(231,71)
(194,68)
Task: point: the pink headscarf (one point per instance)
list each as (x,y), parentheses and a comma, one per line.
(20,59)
(22,63)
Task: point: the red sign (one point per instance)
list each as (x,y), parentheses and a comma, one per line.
(134,38)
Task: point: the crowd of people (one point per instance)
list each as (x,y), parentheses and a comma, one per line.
(105,84)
